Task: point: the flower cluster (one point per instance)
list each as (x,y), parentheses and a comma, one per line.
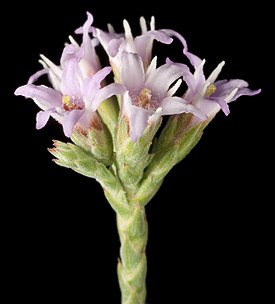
(112,115)
(144,89)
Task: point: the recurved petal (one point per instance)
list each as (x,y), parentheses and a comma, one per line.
(42,117)
(224,87)
(144,43)
(37,75)
(176,105)
(45,97)
(89,50)
(195,60)
(245,91)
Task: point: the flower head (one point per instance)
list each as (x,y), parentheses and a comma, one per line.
(211,95)
(116,44)
(208,94)
(149,92)
(78,96)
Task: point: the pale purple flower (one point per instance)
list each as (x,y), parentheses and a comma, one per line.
(115,44)
(208,94)
(89,62)
(149,92)
(78,97)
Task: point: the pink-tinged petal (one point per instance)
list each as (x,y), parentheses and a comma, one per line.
(208,107)
(85,121)
(70,119)
(138,117)
(224,87)
(138,122)
(37,75)
(114,47)
(105,38)
(245,91)
(176,105)
(91,85)
(43,96)
(222,102)
(194,81)
(42,117)
(144,44)
(90,55)
(105,93)
(195,60)
(160,80)
(70,80)
(132,72)
(71,53)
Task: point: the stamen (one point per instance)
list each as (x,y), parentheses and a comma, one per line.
(70,103)
(210,90)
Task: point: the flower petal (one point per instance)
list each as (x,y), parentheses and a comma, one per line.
(224,87)
(70,119)
(138,117)
(90,57)
(37,75)
(195,60)
(245,91)
(144,44)
(91,85)
(138,122)
(106,92)
(43,96)
(42,117)
(131,72)
(161,79)
(70,84)
(176,105)
(194,82)
(114,47)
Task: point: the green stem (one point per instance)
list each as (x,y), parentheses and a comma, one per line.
(132,266)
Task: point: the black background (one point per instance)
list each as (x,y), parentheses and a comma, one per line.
(209,225)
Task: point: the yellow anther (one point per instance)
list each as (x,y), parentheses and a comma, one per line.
(66,100)
(210,90)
